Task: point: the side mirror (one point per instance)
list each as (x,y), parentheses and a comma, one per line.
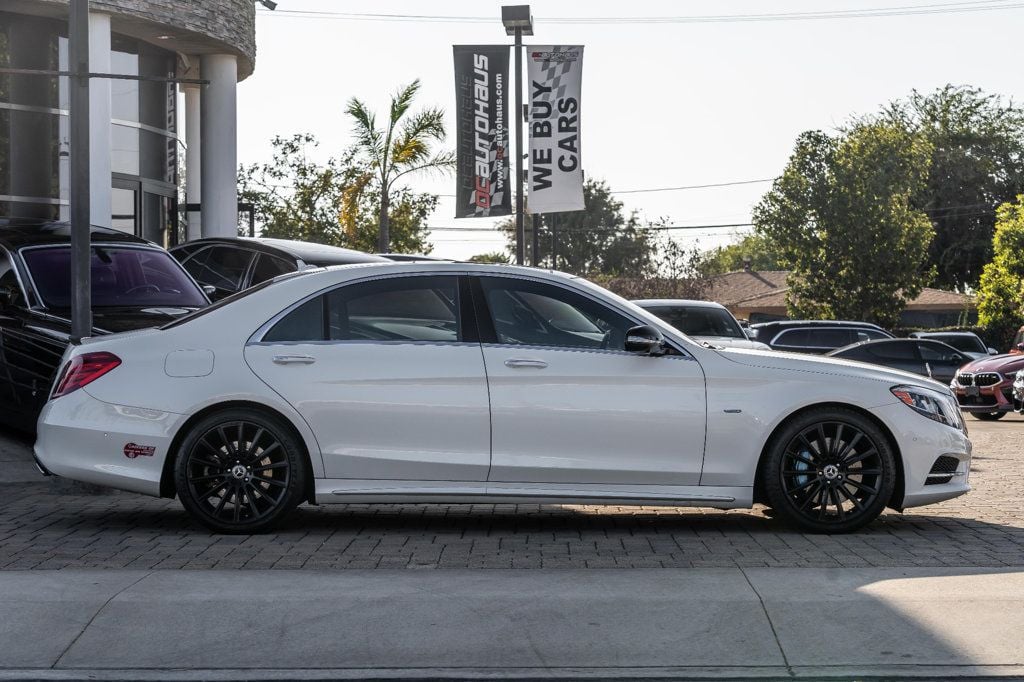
(209,290)
(645,339)
(993,351)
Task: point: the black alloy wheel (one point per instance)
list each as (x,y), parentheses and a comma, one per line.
(240,472)
(829,470)
(988,416)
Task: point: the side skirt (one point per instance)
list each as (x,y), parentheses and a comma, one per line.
(341,491)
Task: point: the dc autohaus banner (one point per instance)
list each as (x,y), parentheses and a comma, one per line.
(556,174)
(481,77)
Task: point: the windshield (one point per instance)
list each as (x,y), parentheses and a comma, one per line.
(121,277)
(700,321)
(963,342)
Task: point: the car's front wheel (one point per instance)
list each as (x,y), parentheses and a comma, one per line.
(829,470)
(988,416)
(240,472)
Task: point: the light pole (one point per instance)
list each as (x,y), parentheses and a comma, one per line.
(78,194)
(518,23)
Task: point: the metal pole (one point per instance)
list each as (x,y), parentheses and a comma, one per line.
(536,240)
(81,284)
(520,227)
(554,241)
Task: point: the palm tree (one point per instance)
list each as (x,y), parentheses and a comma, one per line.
(402,148)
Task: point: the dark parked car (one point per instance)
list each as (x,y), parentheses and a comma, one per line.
(965,342)
(231,264)
(928,358)
(135,284)
(815,336)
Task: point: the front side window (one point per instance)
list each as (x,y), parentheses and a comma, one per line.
(269,267)
(539,314)
(121,277)
(223,267)
(940,352)
(896,350)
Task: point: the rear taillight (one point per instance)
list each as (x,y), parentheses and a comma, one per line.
(84,369)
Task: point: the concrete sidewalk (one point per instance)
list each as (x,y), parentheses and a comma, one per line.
(507,624)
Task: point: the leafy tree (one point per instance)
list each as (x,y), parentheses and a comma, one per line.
(596,240)
(295,197)
(841,218)
(1001,293)
(490,257)
(753,249)
(402,147)
(977,163)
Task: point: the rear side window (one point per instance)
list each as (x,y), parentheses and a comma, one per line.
(393,309)
(305,323)
(220,266)
(893,351)
(792,338)
(396,309)
(829,338)
(940,352)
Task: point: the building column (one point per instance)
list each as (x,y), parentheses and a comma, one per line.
(193,157)
(218,132)
(100,143)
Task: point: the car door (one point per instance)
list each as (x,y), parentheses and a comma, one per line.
(389,376)
(31,346)
(569,405)
(941,360)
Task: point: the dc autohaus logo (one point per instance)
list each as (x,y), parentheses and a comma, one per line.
(133,450)
(562,56)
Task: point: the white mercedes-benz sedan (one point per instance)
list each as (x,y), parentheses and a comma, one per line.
(463,383)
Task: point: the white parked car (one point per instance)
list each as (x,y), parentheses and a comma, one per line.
(702,321)
(457,382)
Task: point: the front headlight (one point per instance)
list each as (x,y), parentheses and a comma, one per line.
(931,404)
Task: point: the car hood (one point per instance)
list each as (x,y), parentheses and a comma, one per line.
(797,362)
(1004,364)
(127,319)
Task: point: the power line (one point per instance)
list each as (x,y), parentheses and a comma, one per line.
(673,189)
(896,10)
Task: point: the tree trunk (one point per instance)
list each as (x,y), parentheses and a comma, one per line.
(384,239)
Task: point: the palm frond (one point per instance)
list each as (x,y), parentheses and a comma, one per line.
(367,135)
(348,214)
(402,100)
(412,145)
(442,162)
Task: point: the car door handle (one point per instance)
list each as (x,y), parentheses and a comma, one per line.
(523,362)
(294,359)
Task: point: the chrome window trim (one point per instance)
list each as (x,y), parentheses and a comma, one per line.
(256,338)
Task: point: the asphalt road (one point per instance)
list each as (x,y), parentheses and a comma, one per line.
(47,524)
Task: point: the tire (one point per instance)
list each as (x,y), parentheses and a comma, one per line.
(988,416)
(827,455)
(254,485)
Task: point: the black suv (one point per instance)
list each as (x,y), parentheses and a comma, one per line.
(815,336)
(135,284)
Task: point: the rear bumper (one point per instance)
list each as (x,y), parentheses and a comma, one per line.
(85,439)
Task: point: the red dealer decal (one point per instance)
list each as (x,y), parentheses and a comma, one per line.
(131,450)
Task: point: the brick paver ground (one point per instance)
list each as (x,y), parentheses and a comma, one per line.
(42,526)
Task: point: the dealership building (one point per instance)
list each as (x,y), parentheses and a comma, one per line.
(163,155)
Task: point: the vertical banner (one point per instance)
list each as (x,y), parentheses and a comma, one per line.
(556,174)
(481,78)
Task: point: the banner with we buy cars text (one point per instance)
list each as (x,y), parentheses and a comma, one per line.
(556,174)
(481,93)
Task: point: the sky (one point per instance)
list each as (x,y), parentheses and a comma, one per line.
(664,104)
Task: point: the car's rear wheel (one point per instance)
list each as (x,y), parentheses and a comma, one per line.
(829,470)
(240,472)
(988,416)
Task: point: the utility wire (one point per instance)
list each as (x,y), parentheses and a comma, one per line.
(895,10)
